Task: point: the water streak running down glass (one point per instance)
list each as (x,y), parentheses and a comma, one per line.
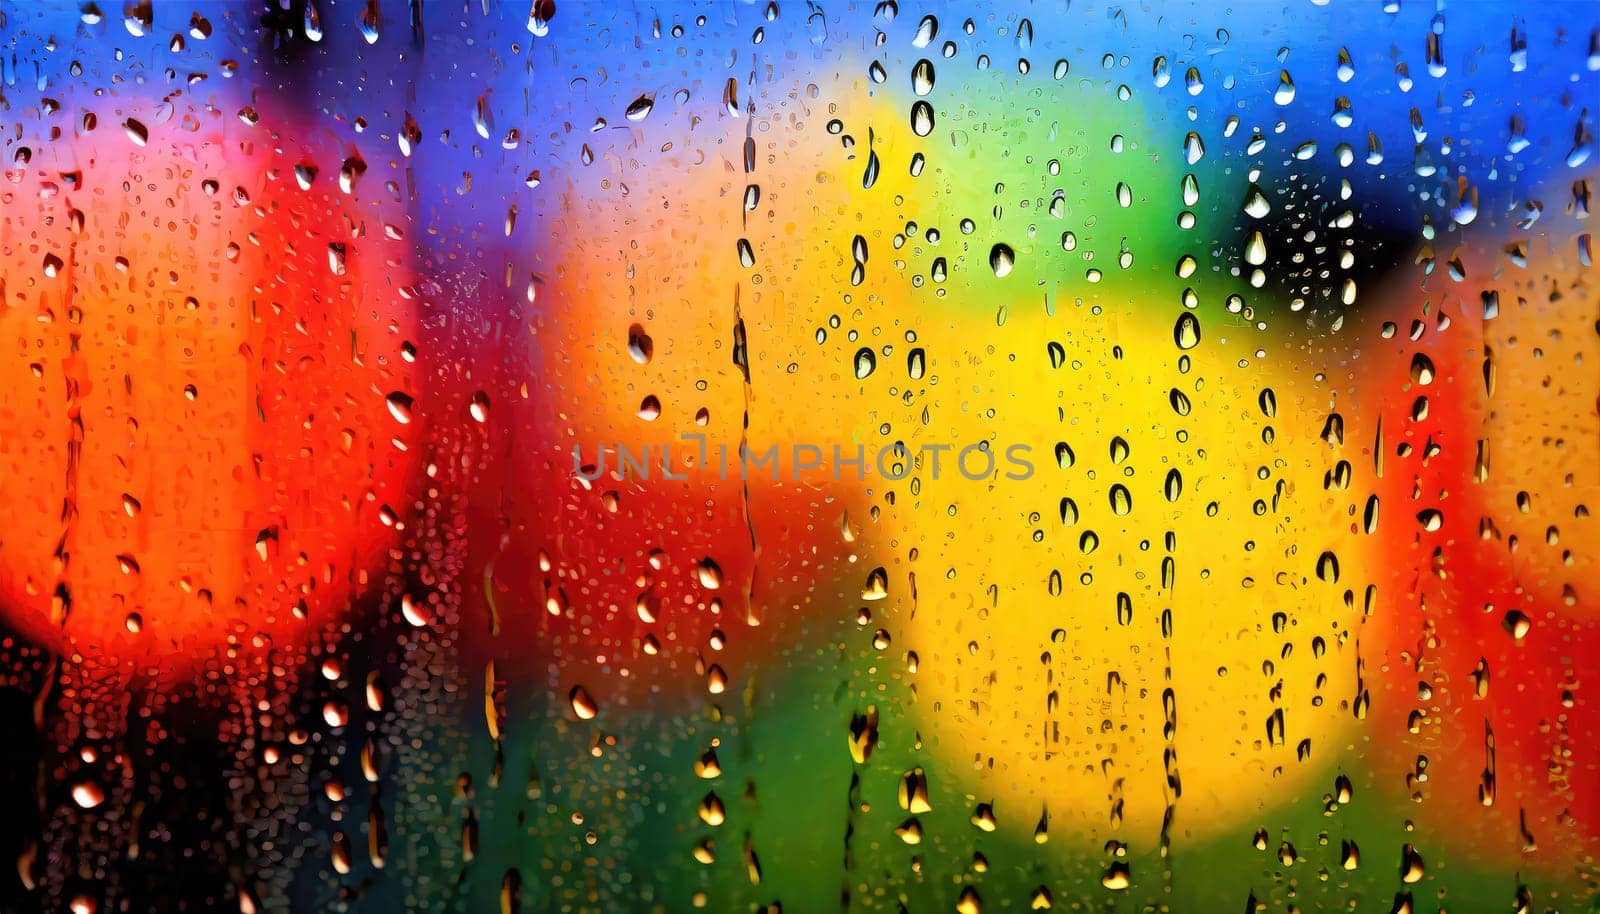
(466,456)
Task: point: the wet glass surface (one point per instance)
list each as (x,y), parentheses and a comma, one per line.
(804,457)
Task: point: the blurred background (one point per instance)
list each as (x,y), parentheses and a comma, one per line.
(376,536)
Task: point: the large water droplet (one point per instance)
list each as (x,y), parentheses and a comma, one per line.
(1002,259)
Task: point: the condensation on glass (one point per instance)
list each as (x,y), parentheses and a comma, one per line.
(782,456)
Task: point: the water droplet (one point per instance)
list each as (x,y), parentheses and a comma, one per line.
(1174,485)
(1255,203)
(877,585)
(640,108)
(866,363)
(1421,370)
(88,794)
(583,704)
(416,614)
(400,405)
(709,573)
(1186,332)
(1121,500)
(1255,249)
(640,346)
(1411,867)
(1001,260)
(1285,91)
(1117,876)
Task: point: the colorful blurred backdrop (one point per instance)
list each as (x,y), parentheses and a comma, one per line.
(464,455)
